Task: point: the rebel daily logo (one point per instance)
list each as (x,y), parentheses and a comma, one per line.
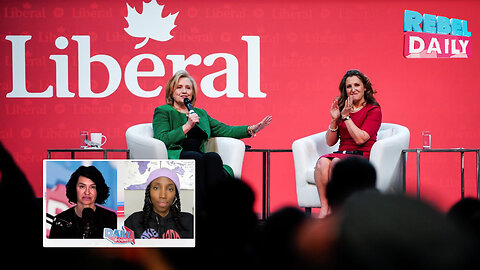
(431,36)
(123,236)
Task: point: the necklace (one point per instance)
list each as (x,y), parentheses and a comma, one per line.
(353,110)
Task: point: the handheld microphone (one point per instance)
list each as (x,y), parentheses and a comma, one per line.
(189,106)
(87,222)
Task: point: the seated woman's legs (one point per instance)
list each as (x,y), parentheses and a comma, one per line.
(199,174)
(208,171)
(214,171)
(321,174)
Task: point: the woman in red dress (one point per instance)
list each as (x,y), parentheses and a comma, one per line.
(356,118)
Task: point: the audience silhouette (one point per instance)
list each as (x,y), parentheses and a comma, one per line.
(367,230)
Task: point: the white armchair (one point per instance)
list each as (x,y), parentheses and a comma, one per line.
(385,157)
(142,145)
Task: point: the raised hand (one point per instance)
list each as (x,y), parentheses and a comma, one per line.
(261,125)
(335,110)
(192,120)
(348,107)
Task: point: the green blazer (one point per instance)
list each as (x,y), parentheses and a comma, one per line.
(167,127)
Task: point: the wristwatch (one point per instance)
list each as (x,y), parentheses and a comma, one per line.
(346,118)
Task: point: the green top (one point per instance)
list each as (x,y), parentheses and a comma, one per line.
(167,127)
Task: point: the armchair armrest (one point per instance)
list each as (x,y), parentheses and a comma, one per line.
(386,158)
(231,151)
(306,152)
(142,145)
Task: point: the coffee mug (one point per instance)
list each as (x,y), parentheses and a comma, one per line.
(97,138)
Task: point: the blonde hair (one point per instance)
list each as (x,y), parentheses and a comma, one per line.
(172,85)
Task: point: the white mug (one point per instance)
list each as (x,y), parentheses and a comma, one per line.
(97,138)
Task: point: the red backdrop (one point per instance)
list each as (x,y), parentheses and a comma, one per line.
(304,49)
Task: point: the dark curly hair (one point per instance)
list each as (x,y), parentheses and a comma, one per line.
(175,208)
(92,173)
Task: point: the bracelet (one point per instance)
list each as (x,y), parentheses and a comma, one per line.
(250,131)
(331,129)
(346,118)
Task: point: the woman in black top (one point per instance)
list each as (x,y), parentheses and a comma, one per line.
(161,217)
(85,188)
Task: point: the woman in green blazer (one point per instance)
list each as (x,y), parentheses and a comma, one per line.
(185,133)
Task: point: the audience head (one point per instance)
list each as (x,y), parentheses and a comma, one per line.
(380,231)
(276,241)
(384,231)
(349,176)
(229,209)
(466,213)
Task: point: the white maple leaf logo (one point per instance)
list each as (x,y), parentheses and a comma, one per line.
(150,23)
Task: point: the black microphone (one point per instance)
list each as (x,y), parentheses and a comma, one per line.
(188,103)
(87,222)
